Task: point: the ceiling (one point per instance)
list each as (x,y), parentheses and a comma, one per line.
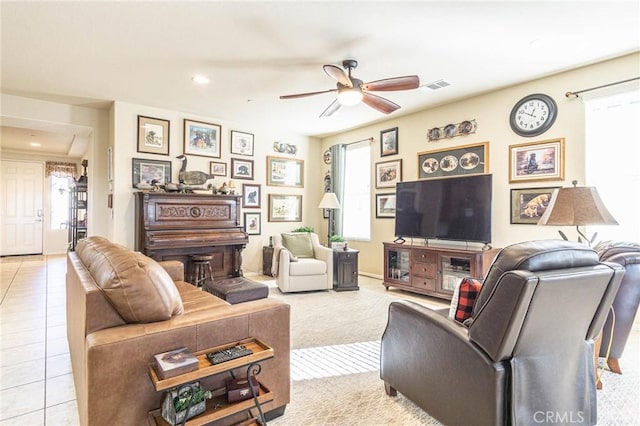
(91,53)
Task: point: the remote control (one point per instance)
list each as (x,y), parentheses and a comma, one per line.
(228,354)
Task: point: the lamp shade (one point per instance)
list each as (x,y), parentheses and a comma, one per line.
(577,206)
(329,201)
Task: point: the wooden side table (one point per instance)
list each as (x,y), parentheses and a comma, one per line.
(345,270)
(267,256)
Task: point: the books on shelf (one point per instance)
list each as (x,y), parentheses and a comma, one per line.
(175,362)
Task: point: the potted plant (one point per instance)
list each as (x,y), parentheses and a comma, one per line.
(337,242)
(304,229)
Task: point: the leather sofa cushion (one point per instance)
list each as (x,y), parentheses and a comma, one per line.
(308,267)
(542,255)
(299,244)
(195,300)
(608,249)
(138,288)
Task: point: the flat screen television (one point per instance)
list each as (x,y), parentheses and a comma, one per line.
(456,209)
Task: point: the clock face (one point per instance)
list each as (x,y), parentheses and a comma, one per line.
(533,115)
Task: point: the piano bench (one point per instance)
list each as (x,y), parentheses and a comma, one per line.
(237,289)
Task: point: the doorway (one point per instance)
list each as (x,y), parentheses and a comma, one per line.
(21,195)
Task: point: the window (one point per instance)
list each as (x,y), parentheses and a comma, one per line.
(59,202)
(612,151)
(356,204)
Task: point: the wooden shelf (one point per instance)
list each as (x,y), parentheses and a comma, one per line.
(261,352)
(217,407)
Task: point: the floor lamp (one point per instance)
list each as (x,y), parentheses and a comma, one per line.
(329,201)
(577,206)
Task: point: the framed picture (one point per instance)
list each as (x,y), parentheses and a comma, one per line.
(528,204)
(385,206)
(241,169)
(285,172)
(217,168)
(462,160)
(537,161)
(241,143)
(389,142)
(252,223)
(388,173)
(250,195)
(146,171)
(285,208)
(202,139)
(153,135)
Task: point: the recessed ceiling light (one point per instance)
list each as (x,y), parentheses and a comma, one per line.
(201,79)
(34,144)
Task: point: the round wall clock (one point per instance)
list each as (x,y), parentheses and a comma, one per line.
(533,115)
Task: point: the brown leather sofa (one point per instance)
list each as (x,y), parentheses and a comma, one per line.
(625,305)
(123,307)
(526,356)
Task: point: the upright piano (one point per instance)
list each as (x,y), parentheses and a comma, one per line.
(174,226)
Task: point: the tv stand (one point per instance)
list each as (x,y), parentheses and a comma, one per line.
(433,271)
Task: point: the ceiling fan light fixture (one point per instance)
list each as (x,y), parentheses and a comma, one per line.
(201,79)
(349,96)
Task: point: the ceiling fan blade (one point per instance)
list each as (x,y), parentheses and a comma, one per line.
(383,105)
(397,83)
(302,95)
(338,74)
(335,105)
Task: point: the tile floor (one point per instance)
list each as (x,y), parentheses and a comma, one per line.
(36,385)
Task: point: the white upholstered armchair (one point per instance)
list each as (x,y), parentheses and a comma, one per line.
(300,263)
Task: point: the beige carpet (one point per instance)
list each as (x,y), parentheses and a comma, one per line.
(328,389)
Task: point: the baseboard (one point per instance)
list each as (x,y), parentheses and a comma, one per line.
(370,275)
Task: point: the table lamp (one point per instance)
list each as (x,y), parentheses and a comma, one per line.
(577,206)
(329,201)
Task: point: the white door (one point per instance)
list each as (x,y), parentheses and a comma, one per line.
(21,215)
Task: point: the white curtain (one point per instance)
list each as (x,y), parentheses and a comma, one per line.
(337,184)
(613,159)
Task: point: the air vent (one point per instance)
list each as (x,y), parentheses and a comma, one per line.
(438,84)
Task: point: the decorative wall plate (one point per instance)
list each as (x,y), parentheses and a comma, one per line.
(326,157)
(452,130)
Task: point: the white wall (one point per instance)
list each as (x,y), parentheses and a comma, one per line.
(125,116)
(491,111)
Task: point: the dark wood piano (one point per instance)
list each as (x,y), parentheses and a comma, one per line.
(174,226)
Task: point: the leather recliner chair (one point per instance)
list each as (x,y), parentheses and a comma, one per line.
(625,305)
(526,351)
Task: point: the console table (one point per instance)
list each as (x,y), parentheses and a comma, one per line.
(219,407)
(432,271)
(174,226)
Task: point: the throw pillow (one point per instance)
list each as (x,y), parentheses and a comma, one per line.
(298,244)
(463,299)
(138,288)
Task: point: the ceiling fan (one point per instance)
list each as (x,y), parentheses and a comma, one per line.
(352,91)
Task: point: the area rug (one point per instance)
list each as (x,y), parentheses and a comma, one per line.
(331,330)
